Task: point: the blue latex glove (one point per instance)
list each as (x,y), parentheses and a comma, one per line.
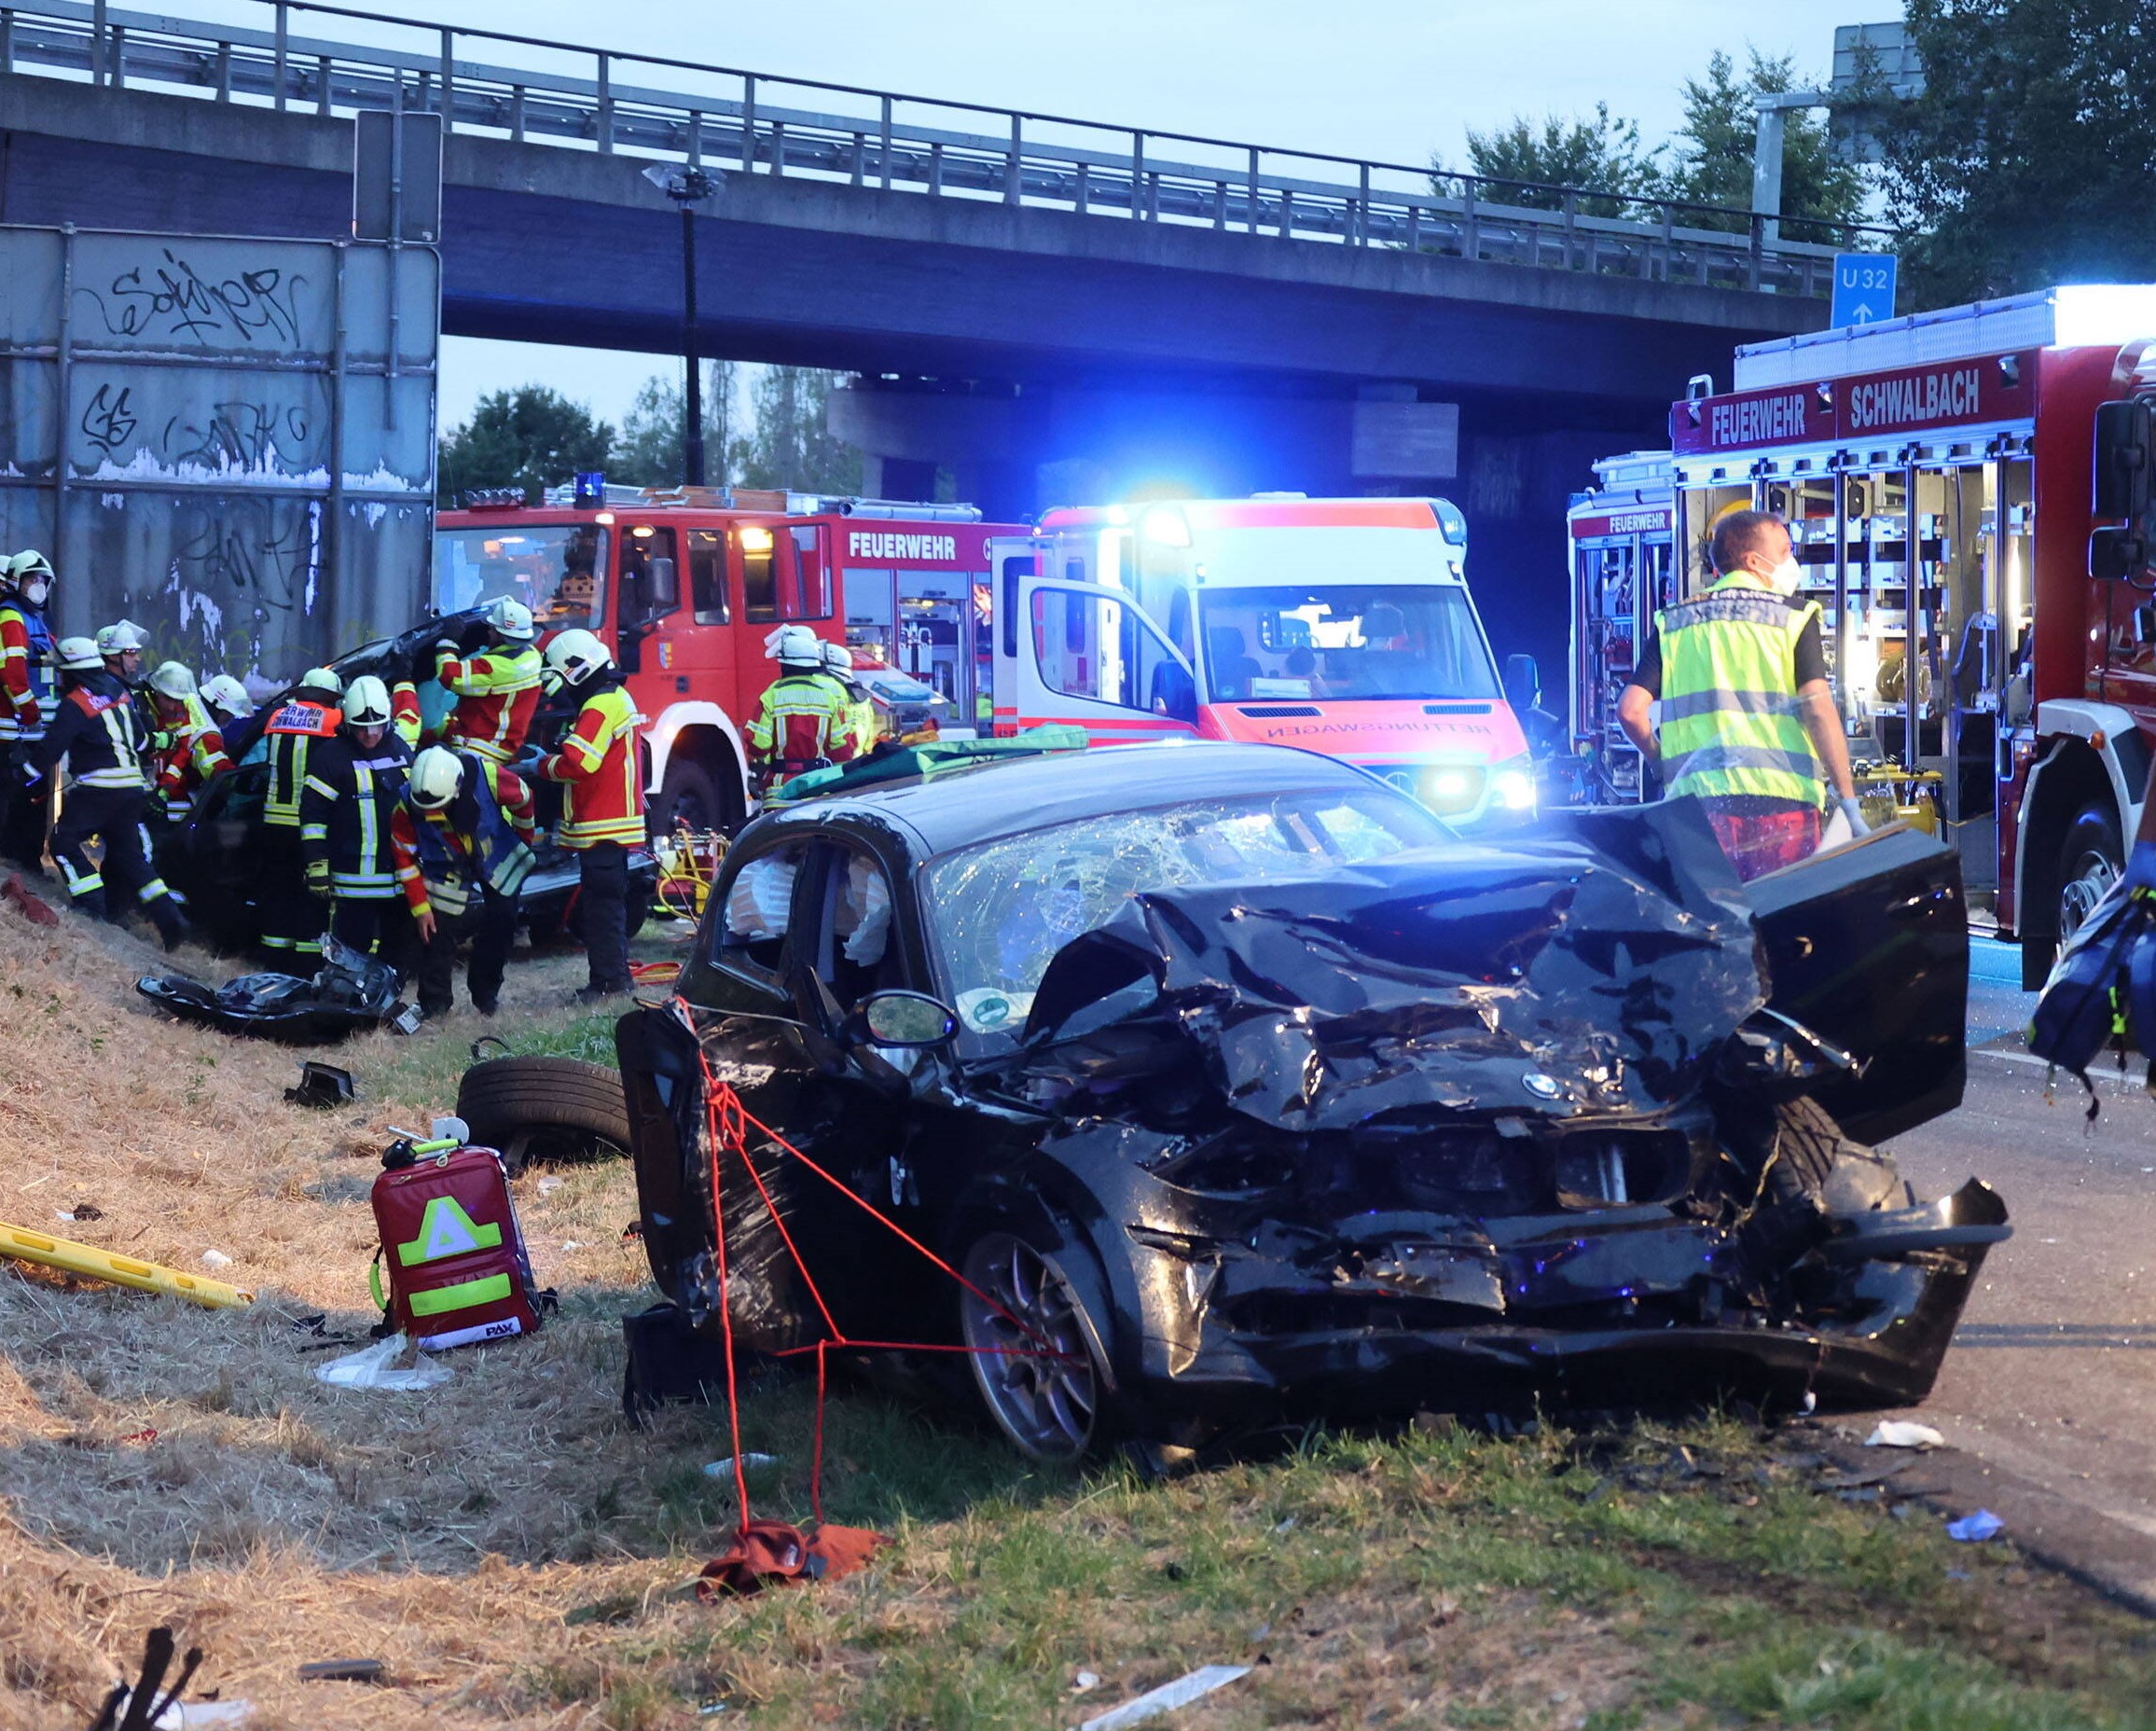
(1854,810)
(2141,866)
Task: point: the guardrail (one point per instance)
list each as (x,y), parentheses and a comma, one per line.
(728,119)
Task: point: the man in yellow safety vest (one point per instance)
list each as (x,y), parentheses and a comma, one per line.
(1747,722)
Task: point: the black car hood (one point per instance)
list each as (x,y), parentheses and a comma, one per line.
(1596,969)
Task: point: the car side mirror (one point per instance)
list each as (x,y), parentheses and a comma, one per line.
(904,1021)
(1522,683)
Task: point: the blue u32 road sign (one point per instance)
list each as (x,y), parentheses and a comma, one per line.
(1863,288)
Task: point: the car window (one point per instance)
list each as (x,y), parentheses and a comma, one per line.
(860,951)
(750,930)
(1002,910)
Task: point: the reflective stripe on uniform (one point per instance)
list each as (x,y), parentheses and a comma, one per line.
(1729,718)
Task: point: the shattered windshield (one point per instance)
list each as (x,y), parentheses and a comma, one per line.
(555,569)
(1002,910)
(1344,639)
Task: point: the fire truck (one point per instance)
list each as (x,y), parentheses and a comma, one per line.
(1341,626)
(1618,531)
(1968,495)
(686,585)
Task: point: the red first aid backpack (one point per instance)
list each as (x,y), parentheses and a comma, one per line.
(457,1268)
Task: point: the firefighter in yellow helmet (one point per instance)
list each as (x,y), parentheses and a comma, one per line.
(1747,720)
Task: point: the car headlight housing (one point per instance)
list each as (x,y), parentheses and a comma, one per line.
(1512,785)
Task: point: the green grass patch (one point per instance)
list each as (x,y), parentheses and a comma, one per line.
(1683,1575)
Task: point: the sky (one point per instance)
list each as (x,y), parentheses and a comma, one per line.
(1391,80)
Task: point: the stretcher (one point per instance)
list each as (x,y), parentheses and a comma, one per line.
(25,1245)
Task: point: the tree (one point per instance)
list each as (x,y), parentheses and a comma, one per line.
(2028,159)
(531,437)
(649,450)
(791,445)
(1602,154)
(1714,151)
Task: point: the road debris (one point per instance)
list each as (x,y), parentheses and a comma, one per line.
(748,1463)
(1169,1696)
(1904,1433)
(376,1367)
(1975,1528)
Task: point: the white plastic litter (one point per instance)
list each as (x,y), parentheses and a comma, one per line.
(215,1259)
(1169,1696)
(1974,1528)
(1901,1434)
(376,1367)
(1084,1680)
(550,1184)
(572,1244)
(189,1715)
(750,1464)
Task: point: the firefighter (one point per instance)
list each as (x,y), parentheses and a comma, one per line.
(195,748)
(1749,722)
(120,646)
(295,728)
(802,723)
(346,812)
(602,819)
(26,697)
(226,701)
(496,690)
(859,707)
(95,729)
(462,837)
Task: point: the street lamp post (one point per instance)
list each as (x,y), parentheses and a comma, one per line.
(688,186)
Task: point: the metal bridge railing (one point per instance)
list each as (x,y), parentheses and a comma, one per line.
(748,122)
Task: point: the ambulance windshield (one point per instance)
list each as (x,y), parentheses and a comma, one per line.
(1345,640)
(558,570)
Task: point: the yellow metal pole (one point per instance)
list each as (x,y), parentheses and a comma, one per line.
(150,1277)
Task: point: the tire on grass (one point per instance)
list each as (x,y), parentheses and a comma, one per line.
(544,1108)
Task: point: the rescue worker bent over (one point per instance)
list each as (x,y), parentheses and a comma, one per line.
(461,836)
(291,919)
(26,699)
(603,815)
(804,721)
(1748,717)
(194,750)
(496,690)
(95,729)
(226,701)
(346,812)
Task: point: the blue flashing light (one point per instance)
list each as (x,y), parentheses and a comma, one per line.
(1452,520)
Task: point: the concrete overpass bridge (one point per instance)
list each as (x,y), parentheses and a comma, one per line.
(1044,307)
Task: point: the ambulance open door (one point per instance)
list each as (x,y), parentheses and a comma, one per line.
(1083,654)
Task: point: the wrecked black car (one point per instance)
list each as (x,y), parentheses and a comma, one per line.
(1235,1084)
(212,859)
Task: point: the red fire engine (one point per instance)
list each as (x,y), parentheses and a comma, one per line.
(1973,519)
(1618,531)
(685,587)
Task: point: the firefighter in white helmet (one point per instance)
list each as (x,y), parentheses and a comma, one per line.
(27,666)
(462,840)
(346,808)
(805,719)
(95,729)
(860,706)
(299,724)
(194,748)
(603,816)
(497,689)
(226,701)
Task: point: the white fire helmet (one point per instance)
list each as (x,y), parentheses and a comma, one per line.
(323,682)
(367,702)
(438,777)
(794,645)
(227,696)
(574,657)
(120,638)
(511,619)
(172,680)
(838,658)
(29,574)
(79,655)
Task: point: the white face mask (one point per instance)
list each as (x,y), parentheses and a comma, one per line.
(1784,577)
(35,590)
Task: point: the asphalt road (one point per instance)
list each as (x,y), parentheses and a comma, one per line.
(2051,1378)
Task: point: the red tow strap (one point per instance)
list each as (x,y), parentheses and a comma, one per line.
(769,1552)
